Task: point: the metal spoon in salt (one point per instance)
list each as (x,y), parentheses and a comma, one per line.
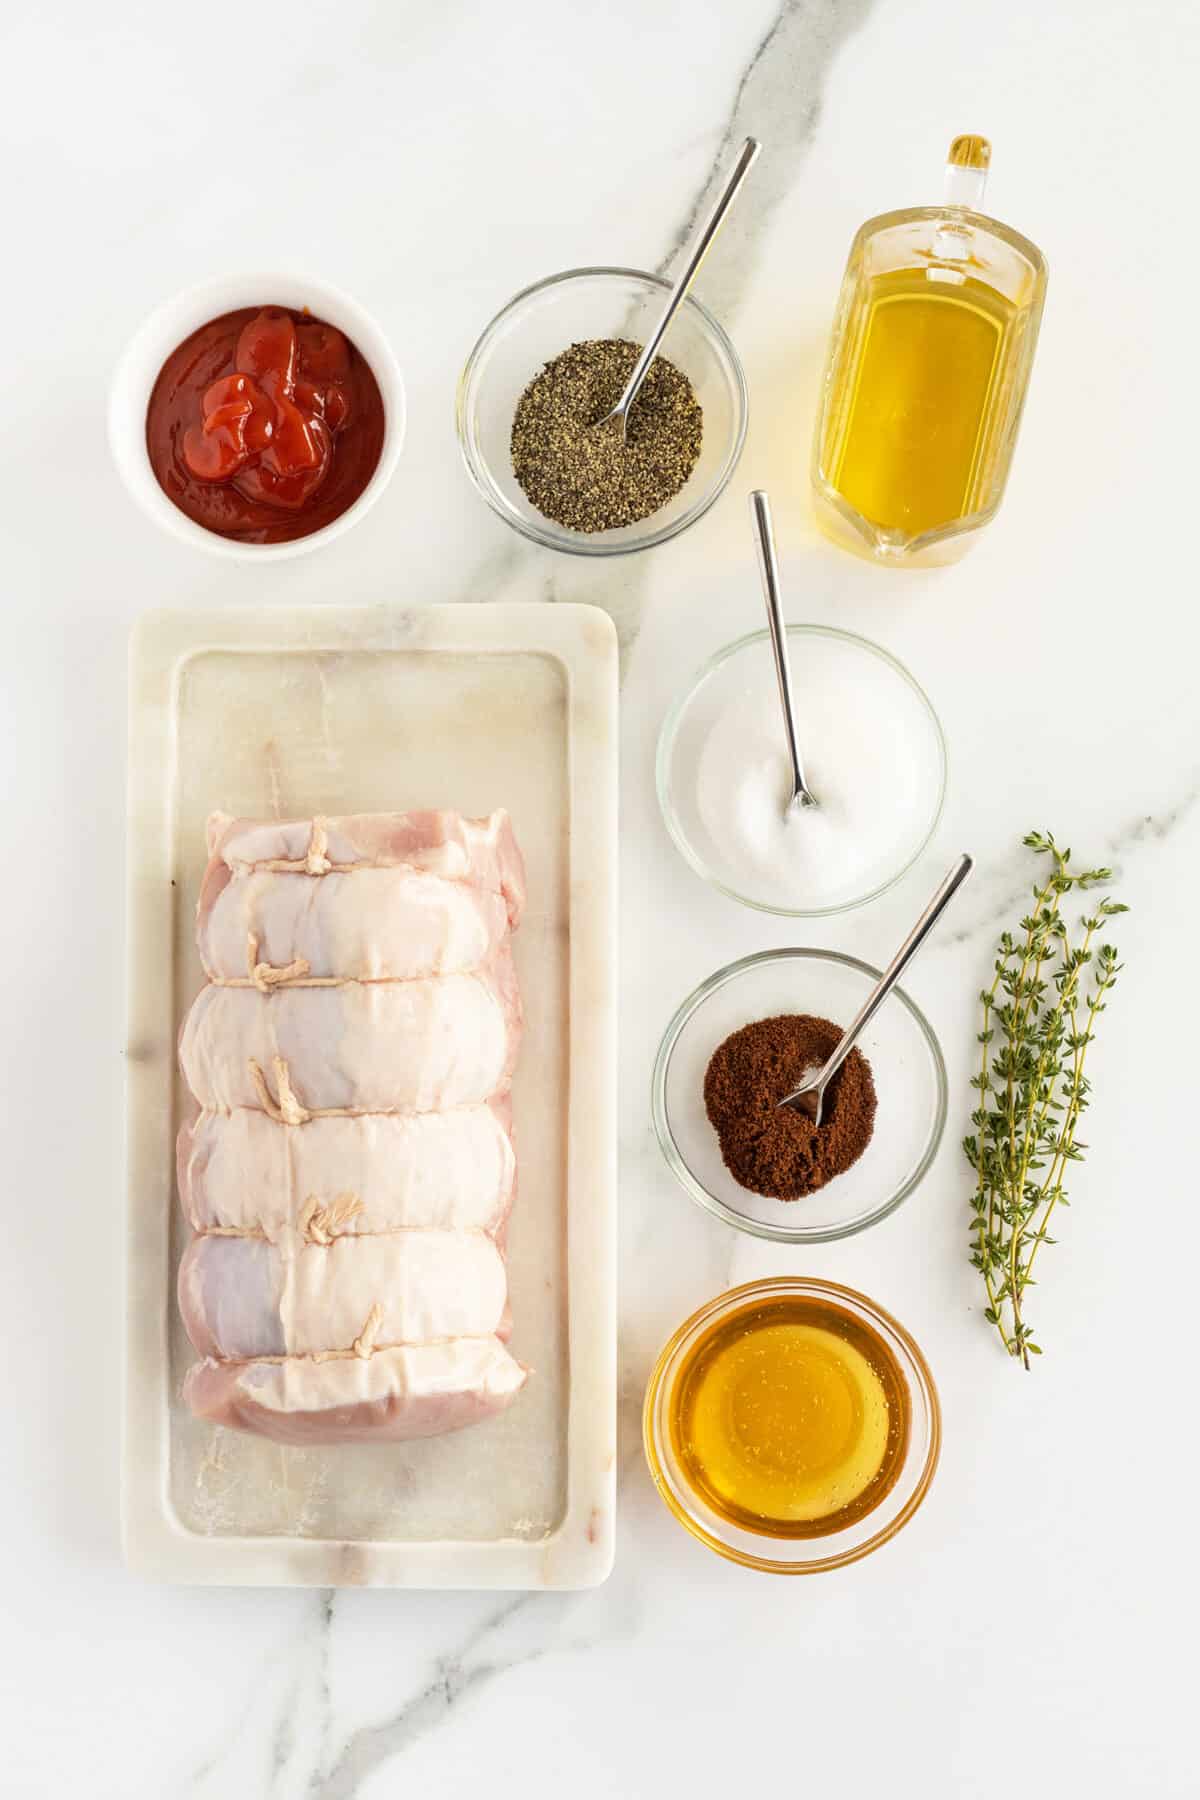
(809,1096)
(760,510)
(700,250)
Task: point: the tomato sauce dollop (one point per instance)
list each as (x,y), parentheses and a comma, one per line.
(264,425)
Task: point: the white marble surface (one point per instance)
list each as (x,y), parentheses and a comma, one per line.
(1032,1632)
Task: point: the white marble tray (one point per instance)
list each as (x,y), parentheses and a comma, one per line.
(330,709)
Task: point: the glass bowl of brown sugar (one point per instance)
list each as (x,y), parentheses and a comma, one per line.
(593,310)
(884,1115)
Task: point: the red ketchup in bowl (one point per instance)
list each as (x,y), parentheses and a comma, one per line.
(264,425)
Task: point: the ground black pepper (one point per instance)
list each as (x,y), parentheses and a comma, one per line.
(772,1149)
(587,476)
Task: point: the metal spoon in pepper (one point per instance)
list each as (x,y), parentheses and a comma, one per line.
(712,225)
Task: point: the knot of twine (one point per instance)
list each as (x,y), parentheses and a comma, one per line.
(287,1110)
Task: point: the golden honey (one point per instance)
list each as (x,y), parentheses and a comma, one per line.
(790,1417)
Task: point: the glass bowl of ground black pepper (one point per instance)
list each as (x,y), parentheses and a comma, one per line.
(747,1036)
(550,365)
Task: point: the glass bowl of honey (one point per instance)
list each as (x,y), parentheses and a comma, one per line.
(792,1425)
(907,1072)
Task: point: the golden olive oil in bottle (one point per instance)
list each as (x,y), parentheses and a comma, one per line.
(928,366)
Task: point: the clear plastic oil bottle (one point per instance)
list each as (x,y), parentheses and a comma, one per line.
(927,372)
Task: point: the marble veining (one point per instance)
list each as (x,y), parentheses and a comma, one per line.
(777,97)
(998,910)
(455,1678)
(432,162)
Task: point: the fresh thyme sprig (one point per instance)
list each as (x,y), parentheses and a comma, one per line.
(1050,986)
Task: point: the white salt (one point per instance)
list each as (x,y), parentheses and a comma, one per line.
(871,755)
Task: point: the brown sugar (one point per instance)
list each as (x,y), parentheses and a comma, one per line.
(773,1149)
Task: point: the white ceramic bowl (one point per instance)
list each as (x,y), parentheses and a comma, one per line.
(175,320)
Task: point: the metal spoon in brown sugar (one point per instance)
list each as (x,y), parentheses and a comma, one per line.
(809,1097)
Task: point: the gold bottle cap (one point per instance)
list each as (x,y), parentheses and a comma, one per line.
(967,163)
(970,152)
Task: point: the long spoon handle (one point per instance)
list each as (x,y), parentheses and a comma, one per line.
(764,537)
(891,975)
(700,250)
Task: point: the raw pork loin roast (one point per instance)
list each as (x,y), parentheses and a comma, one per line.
(350,1169)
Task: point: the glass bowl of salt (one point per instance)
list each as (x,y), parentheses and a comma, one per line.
(874,757)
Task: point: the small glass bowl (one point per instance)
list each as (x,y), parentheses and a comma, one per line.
(726,675)
(795,1556)
(910,1086)
(548,318)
